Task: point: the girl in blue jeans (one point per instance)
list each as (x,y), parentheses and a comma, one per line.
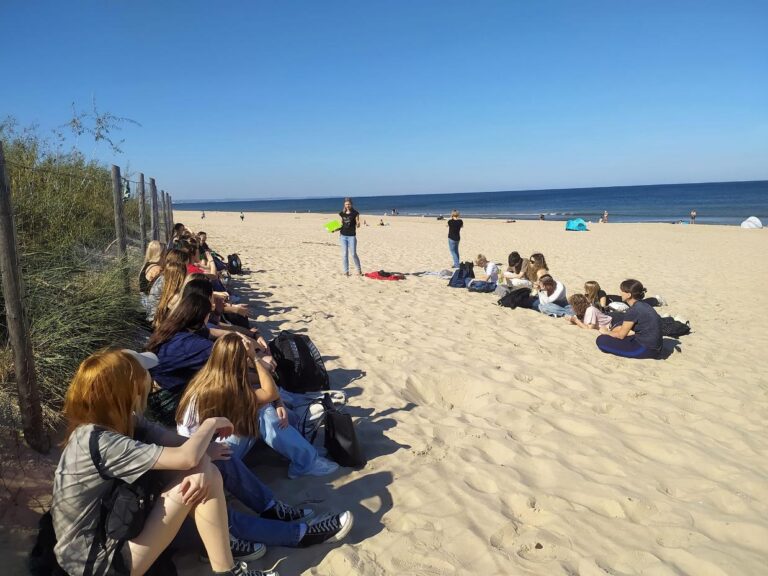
(350,222)
(223,386)
(263,411)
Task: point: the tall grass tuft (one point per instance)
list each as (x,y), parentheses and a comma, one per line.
(75,297)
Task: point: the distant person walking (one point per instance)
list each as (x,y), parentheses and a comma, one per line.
(693,216)
(242,217)
(455,224)
(202,216)
(605,216)
(350,222)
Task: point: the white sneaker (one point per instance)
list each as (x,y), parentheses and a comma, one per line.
(661,300)
(321,467)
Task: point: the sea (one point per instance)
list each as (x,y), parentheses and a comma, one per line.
(726,203)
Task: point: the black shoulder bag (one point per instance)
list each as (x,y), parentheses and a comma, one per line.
(340,434)
(125,509)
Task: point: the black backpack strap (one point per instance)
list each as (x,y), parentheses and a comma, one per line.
(93,446)
(306,424)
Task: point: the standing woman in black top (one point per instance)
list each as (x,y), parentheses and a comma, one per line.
(350,222)
(455,224)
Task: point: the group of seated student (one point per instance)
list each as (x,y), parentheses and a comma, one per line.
(628,324)
(181,417)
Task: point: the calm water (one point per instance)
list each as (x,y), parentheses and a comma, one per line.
(715,203)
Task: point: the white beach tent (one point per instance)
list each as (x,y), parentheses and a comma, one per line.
(752,222)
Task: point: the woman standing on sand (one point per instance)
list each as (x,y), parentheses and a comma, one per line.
(455,224)
(350,222)
(646,342)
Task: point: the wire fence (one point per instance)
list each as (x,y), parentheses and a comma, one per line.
(72,237)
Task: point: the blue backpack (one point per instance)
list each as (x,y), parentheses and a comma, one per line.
(462,275)
(482,286)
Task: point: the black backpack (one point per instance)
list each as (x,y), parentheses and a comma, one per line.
(465,271)
(674,328)
(300,366)
(517,298)
(234,264)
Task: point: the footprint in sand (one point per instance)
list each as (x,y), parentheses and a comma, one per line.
(504,538)
(639,510)
(544,546)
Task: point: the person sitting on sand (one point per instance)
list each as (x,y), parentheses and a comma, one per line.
(490,269)
(107,438)
(552,299)
(273,419)
(639,334)
(586,315)
(598,298)
(217,325)
(151,270)
(537,267)
(515,274)
(223,387)
(176,234)
(174,274)
(182,346)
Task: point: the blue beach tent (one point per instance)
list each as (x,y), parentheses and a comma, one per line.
(577,225)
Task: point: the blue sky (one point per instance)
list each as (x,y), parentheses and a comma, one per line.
(280,98)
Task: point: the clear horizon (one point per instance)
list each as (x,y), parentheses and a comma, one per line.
(315,100)
(265,199)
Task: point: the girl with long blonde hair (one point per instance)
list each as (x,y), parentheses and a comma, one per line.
(174,275)
(152,266)
(223,386)
(226,386)
(107,438)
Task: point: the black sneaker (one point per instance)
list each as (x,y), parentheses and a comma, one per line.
(242,550)
(331,528)
(285,513)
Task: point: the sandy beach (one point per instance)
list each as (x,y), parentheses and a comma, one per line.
(503,441)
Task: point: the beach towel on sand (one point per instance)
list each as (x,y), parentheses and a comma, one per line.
(382,275)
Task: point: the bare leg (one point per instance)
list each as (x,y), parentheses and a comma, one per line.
(166,518)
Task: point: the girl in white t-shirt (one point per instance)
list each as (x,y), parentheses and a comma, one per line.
(491,269)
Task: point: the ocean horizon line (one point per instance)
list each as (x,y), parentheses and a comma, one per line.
(397,195)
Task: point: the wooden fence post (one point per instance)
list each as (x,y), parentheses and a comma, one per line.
(170,210)
(18,332)
(155,212)
(142,214)
(165,216)
(170,217)
(117,195)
